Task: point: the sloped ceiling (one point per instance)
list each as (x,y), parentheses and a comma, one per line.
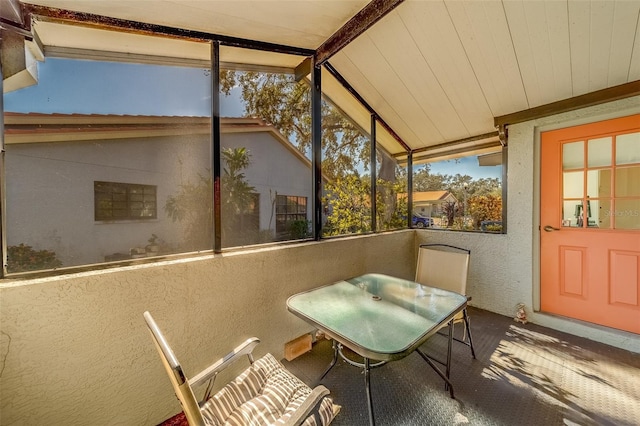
(435,71)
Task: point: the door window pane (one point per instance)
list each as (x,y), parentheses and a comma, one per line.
(572,213)
(628,148)
(573,155)
(573,184)
(628,181)
(599,152)
(599,183)
(627,214)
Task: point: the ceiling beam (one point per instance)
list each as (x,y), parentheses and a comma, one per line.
(358,24)
(609,94)
(108,23)
(345,84)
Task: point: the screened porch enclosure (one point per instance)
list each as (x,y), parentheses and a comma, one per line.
(204,161)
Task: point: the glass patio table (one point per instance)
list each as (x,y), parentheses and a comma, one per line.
(379,317)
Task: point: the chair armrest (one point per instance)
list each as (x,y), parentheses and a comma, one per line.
(245,348)
(309,405)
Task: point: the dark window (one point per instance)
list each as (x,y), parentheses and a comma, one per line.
(289,208)
(124,201)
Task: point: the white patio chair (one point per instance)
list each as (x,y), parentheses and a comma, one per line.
(447,267)
(266,393)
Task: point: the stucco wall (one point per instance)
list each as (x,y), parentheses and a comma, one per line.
(74,349)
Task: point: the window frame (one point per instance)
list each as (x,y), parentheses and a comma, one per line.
(128,189)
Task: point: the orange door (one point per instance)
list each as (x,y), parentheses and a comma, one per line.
(590,220)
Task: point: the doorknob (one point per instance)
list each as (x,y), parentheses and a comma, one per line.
(550,228)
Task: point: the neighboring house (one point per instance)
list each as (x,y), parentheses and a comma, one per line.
(93,187)
(429,203)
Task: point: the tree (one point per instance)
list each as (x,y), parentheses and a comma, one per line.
(485,207)
(348,204)
(192,204)
(286,104)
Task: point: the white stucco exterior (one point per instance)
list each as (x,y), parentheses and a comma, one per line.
(50,189)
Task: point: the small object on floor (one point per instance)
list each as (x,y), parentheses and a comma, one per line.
(178,420)
(521,314)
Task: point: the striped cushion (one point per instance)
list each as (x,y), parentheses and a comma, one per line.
(245,387)
(264,394)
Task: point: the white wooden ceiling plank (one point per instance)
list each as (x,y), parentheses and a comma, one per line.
(304,24)
(634,66)
(579,18)
(483,30)
(540,34)
(433,32)
(372,64)
(396,45)
(600,40)
(527,45)
(625,25)
(354,75)
(560,48)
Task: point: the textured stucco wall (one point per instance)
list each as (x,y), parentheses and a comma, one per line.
(74,349)
(504,269)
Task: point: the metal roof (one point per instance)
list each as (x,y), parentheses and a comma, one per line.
(438,72)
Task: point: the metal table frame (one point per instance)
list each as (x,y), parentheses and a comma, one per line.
(377,303)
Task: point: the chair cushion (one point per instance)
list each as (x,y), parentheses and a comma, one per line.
(266,393)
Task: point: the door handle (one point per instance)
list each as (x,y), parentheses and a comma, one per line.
(550,228)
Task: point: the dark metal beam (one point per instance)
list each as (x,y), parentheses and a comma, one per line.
(3,205)
(374,177)
(316,143)
(455,143)
(106,22)
(410,190)
(364,103)
(577,102)
(216,166)
(358,24)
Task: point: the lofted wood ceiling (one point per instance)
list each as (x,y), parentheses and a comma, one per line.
(436,71)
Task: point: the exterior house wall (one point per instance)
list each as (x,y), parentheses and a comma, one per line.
(50,192)
(273,170)
(504,269)
(74,349)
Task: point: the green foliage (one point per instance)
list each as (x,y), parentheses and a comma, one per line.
(23,258)
(391,210)
(299,229)
(192,204)
(286,104)
(485,207)
(349,206)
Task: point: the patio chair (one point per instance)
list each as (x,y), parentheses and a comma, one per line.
(266,393)
(447,267)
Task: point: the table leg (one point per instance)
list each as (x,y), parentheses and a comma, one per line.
(367,383)
(333,361)
(437,370)
(449,346)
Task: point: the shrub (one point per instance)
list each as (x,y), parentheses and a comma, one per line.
(23,258)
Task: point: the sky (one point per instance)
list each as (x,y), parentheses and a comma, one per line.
(466,166)
(89,87)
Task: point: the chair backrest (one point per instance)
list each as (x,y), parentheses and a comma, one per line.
(178,380)
(443,266)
